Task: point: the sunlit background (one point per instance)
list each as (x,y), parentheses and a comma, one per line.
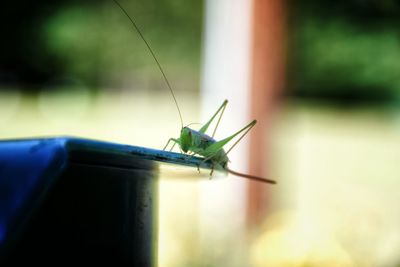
(321,77)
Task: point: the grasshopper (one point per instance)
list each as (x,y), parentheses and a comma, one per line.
(194,142)
(199,143)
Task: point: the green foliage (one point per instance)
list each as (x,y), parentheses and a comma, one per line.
(345,54)
(97,42)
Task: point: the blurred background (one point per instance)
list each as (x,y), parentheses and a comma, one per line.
(322,78)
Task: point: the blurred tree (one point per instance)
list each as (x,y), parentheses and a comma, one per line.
(22,57)
(93,42)
(346,51)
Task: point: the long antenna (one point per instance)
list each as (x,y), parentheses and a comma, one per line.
(154,56)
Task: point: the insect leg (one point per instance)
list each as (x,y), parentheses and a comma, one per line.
(220,116)
(249,128)
(169,140)
(210,151)
(176,141)
(205,127)
(173,145)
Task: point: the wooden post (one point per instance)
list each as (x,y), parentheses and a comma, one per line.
(267,81)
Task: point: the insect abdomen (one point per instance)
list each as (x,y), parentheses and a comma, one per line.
(201,142)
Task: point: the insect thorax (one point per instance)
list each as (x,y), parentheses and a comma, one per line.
(197,142)
(200,140)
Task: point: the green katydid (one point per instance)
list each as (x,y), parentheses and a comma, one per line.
(198,142)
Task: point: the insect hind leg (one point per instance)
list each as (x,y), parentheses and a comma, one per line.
(247,128)
(205,127)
